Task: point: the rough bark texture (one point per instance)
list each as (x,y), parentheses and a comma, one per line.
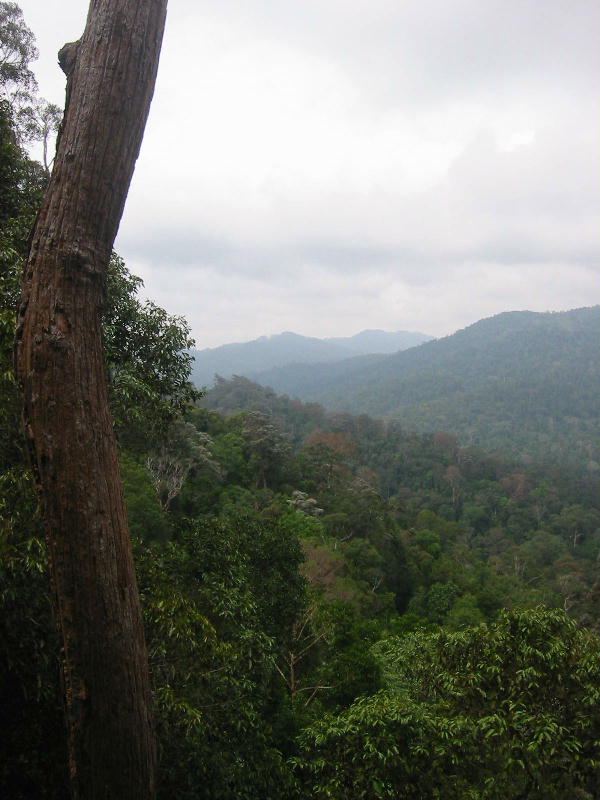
(110,80)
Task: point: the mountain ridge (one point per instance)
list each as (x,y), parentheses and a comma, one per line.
(266,352)
(524,381)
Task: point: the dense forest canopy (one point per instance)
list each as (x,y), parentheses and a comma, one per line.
(523,382)
(335,606)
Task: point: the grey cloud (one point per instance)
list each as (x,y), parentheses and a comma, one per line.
(438,48)
(221,309)
(535,204)
(328,235)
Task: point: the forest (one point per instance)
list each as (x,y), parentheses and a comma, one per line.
(523,382)
(335,606)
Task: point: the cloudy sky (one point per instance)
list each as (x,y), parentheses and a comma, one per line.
(326,166)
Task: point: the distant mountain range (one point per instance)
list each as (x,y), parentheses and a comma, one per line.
(252,358)
(523,382)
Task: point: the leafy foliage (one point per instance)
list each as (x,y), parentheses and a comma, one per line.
(500,711)
(17,50)
(214,630)
(33,760)
(147,356)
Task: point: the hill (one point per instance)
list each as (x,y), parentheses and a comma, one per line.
(521,381)
(376,341)
(252,358)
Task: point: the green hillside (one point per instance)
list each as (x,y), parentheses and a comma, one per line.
(524,382)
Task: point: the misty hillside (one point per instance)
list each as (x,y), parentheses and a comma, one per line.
(521,381)
(251,358)
(376,341)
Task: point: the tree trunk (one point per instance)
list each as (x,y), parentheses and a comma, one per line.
(110,80)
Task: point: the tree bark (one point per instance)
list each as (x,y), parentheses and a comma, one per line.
(111,73)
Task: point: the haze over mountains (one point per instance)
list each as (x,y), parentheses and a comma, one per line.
(524,382)
(251,358)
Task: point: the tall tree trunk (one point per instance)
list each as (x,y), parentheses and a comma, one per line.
(111,73)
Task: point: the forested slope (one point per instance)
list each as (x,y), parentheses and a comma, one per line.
(523,382)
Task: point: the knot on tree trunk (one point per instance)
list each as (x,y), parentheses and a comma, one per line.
(67,55)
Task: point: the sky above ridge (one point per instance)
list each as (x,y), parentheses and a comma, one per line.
(326,167)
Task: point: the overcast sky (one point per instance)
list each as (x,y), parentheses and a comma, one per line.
(325,166)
